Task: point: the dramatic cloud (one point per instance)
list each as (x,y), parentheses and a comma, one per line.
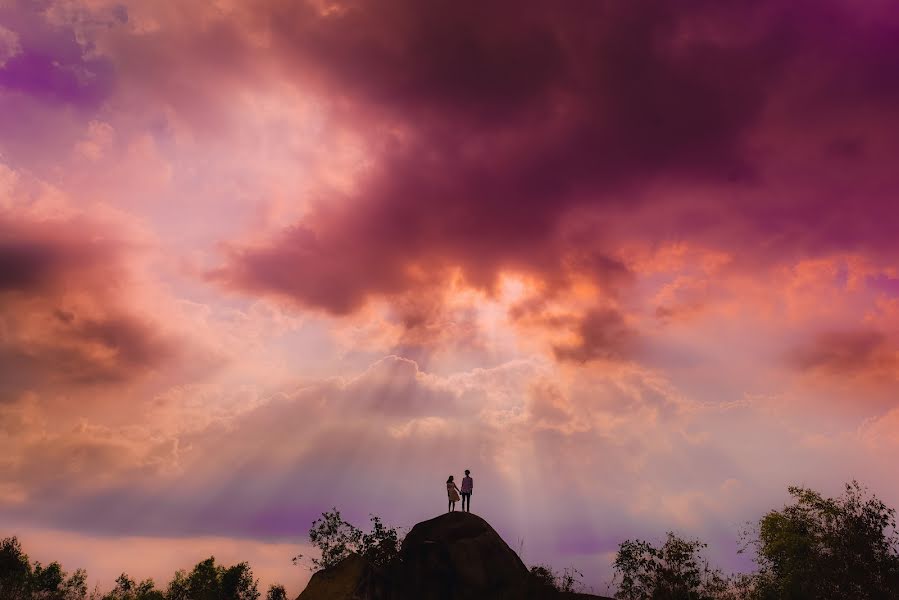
(487,166)
(632,263)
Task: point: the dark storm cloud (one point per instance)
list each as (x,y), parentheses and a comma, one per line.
(516,117)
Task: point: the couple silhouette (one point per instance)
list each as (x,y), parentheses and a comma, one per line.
(453,492)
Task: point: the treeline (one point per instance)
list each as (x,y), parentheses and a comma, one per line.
(815,548)
(22,580)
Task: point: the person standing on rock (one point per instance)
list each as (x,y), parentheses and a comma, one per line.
(467,487)
(452,491)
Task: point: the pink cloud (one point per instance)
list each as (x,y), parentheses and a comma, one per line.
(629,263)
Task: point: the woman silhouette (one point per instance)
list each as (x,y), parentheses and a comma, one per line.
(453,493)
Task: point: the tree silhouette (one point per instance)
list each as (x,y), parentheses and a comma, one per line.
(15,571)
(821,547)
(209,581)
(675,570)
(336,539)
(276,592)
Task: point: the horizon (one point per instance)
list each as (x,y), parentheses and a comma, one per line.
(633,265)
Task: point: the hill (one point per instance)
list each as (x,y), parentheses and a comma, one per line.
(456,556)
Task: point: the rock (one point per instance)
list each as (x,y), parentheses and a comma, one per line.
(459,555)
(353,578)
(456,556)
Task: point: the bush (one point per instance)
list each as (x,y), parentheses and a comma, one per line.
(543,575)
(569,580)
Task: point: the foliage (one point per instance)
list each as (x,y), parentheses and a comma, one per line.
(127,589)
(569,580)
(336,539)
(821,547)
(178,587)
(381,545)
(543,575)
(209,581)
(675,570)
(276,592)
(19,580)
(238,583)
(51,583)
(15,571)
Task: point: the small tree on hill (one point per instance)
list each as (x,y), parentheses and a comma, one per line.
(336,539)
(381,545)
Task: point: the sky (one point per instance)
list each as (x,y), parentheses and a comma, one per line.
(634,264)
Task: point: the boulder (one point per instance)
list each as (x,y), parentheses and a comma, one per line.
(456,556)
(353,578)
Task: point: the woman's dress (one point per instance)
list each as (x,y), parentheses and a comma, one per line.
(451,492)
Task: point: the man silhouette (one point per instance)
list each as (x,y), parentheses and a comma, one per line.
(467,487)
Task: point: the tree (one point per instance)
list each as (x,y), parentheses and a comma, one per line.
(336,539)
(47,582)
(209,581)
(127,589)
(15,571)
(51,583)
(381,545)
(821,547)
(276,592)
(75,587)
(237,583)
(146,590)
(178,587)
(673,571)
(204,582)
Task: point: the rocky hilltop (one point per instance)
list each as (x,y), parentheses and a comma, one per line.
(456,556)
